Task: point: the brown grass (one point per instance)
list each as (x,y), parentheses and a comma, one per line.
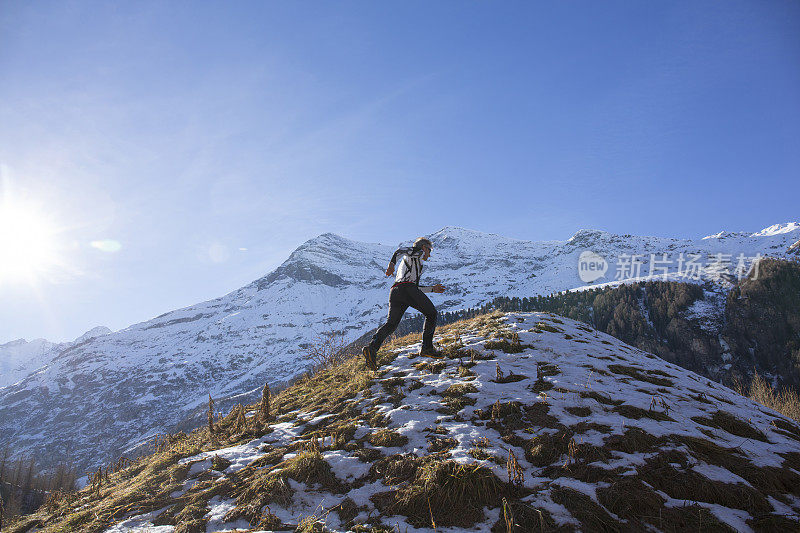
(449,493)
(642,374)
(685,484)
(631,411)
(786,401)
(607,400)
(387,438)
(735,426)
(505,345)
(578,411)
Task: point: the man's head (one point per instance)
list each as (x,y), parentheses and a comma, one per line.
(425,245)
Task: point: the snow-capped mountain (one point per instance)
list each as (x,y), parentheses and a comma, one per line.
(96,398)
(19,358)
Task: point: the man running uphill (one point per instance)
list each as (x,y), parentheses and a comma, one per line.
(406,293)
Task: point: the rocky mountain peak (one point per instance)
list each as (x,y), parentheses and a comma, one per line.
(587,237)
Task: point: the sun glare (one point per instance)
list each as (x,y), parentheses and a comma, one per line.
(27,243)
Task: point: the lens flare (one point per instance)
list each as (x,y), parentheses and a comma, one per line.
(107,245)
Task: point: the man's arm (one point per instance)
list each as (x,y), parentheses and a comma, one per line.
(398,253)
(432,288)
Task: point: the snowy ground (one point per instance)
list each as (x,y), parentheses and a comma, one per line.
(572,376)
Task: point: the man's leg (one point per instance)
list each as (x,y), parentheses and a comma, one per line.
(420,301)
(396,310)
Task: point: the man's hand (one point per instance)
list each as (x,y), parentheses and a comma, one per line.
(438,288)
(390,270)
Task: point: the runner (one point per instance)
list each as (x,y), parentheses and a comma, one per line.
(406,292)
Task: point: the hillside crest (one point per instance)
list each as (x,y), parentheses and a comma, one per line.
(527,417)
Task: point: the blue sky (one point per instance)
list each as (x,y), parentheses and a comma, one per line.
(209,139)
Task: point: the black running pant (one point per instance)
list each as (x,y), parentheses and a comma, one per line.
(401,297)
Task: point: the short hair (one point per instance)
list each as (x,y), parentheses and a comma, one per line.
(422,241)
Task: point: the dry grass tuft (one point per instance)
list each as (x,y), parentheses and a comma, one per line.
(548,448)
(506,345)
(431,367)
(544,326)
(449,493)
(516,476)
(310,467)
(786,401)
(454,399)
(395,469)
(387,438)
(264,488)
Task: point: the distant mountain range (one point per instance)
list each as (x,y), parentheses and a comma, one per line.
(93,399)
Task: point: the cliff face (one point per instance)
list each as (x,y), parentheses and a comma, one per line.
(729,335)
(762,322)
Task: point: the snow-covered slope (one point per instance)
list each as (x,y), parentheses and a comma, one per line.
(20,357)
(97,398)
(529,418)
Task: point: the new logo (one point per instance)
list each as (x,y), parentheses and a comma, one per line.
(591,266)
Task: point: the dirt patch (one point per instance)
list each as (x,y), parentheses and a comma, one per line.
(631,411)
(773,522)
(787,427)
(347,511)
(578,411)
(546,370)
(607,400)
(733,425)
(669,471)
(634,440)
(630,499)
(642,374)
(591,516)
(538,415)
(767,480)
(583,427)
(540,385)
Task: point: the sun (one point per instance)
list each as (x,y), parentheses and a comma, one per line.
(27,242)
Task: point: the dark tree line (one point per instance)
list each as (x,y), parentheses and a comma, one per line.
(639,314)
(23,487)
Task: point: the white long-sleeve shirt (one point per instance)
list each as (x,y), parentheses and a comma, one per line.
(410,267)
